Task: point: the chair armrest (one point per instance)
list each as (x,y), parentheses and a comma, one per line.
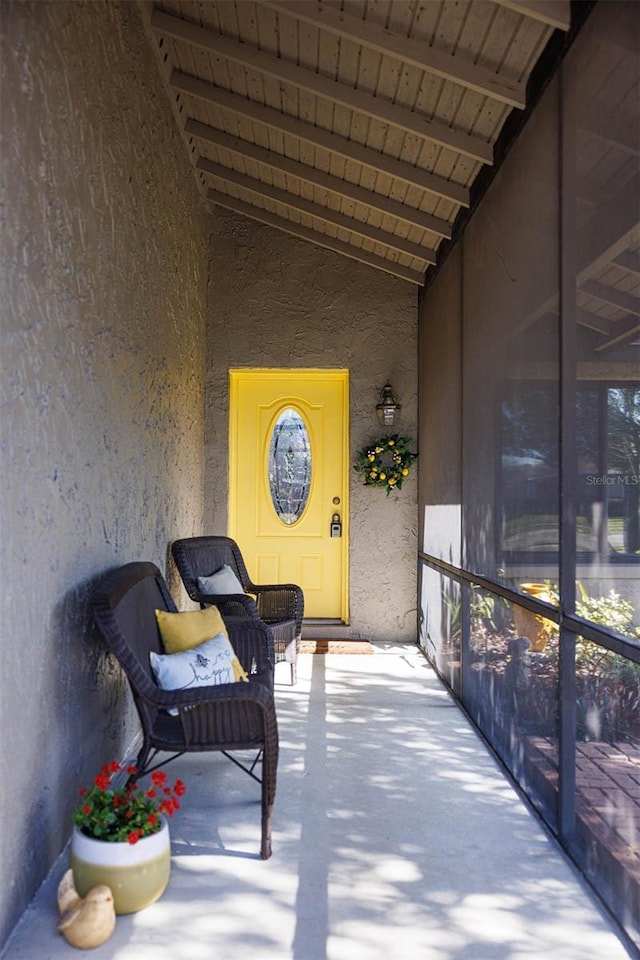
(280,601)
(219,716)
(230,604)
(252,641)
(259,688)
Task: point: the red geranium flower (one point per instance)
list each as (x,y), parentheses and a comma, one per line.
(113,812)
(102,781)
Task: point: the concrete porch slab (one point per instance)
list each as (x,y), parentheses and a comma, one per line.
(396,837)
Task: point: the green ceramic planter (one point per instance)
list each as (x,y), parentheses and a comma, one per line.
(137,874)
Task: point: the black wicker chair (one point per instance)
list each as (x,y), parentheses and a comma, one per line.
(227,717)
(281,606)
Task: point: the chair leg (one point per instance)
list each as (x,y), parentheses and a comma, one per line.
(267,819)
(269,776)
(142,758)
(294,673)
(267,806)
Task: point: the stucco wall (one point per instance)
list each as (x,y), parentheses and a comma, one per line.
(105,254)
(276,301)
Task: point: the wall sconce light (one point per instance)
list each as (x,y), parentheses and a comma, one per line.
(388,409)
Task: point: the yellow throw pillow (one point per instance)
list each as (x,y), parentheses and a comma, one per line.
(182,631)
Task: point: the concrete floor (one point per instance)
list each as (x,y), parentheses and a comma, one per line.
(396,837)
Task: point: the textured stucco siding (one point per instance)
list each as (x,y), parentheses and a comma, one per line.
(276,301)
(104,274)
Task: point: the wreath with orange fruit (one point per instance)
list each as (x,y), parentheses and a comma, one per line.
(385,462)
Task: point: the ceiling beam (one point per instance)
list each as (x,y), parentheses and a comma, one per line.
(597,249)
(627,329)
(615,130)
(589,320)
(555,13)
(628,260)
(325,214)
(413,52)
(376,108)
(612,296)
(312,236)
(377,203)
(349,149)
(584,318)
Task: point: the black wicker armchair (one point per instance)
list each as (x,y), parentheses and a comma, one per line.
(281,606)
(227,717)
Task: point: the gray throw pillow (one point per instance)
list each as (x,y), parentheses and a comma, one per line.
(222,581)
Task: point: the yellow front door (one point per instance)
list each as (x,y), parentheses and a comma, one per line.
(289,484)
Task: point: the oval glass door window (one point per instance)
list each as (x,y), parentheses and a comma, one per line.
(289,466)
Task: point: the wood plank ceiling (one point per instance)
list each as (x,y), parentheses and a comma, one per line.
(358,125)
(361,125)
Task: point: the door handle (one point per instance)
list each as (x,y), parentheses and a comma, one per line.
(336,525)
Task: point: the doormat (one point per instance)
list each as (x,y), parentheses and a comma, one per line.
(335,646)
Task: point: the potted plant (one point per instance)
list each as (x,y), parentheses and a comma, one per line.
(537,629)
(121,836)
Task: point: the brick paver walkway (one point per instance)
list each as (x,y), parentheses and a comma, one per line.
(607,812)
(608,779)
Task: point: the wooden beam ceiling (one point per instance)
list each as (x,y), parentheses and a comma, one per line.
(409,51)
(384,206)
(328,216)
(556,13)
(331,142)
(363,134)
(383,110)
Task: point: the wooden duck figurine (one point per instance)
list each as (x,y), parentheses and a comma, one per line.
(85,922)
